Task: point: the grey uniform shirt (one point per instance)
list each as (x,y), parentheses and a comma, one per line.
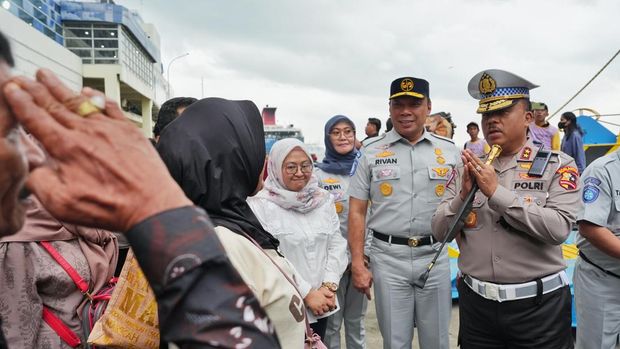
(404,181)
(337,186)
(601,206)
(538,214)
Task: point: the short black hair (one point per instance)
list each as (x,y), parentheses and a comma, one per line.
(388,125)
(168,112)
(375,122)
(473,124)
(5,51)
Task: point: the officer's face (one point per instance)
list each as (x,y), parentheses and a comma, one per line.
(507,127)
(408,116)
(296,170)
(342,137)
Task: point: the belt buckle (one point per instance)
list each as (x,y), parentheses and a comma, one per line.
(491,291)
(413,242)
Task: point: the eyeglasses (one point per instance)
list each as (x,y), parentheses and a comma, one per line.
(337,133)
(306,167)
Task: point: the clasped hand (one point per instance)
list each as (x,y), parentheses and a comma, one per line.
(476,170)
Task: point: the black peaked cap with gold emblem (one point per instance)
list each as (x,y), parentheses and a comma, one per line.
(498,89)
(409,86)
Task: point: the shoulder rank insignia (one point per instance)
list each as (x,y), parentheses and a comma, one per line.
(526,154)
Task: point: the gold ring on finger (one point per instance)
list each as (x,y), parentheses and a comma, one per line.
(478,168)
(86,108)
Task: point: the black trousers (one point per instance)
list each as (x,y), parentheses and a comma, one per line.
(319,327)
(542,322)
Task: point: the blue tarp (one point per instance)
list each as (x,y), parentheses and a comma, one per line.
(596,133)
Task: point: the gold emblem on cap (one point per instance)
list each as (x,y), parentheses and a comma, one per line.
(441,160)
(406,85)
(438,151)
(386,189)
(440,189)
(487,84)
(339,207)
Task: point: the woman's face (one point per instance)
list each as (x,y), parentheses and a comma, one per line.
(564,120)
(342,137)
(296,170)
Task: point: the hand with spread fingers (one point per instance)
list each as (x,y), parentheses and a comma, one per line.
(482,173)
(86,181)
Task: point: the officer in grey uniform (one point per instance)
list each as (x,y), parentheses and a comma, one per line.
(403,173)
(514,291)
(333,175)
(597,271)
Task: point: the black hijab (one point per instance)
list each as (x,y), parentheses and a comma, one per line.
(215,151)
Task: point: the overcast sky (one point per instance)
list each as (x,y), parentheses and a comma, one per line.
(315,59)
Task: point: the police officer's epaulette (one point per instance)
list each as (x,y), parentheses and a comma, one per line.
(555,152)
(442,138)
(372,140)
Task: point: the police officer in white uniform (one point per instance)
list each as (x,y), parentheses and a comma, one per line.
(403,173)
(597,272)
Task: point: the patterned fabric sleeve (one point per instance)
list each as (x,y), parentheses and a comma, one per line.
(203,302)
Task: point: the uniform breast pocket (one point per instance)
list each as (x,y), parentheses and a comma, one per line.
(385,179)
(437,179)
(532,198)
(615,214)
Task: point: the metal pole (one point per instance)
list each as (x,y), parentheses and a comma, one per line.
(168,72)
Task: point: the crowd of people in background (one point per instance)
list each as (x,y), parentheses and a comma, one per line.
(239,260)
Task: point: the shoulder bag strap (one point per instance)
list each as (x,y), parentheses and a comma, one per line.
(63,331)
(81,284)
(308,329)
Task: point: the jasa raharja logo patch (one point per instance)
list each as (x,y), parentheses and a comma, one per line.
(406,85)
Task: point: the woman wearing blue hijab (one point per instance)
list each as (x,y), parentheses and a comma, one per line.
(333,175)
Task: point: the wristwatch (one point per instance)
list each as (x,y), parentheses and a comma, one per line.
(332,286)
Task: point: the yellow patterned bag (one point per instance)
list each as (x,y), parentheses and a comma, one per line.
(130,320)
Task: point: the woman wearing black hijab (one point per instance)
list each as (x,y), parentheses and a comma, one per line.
(216,152)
